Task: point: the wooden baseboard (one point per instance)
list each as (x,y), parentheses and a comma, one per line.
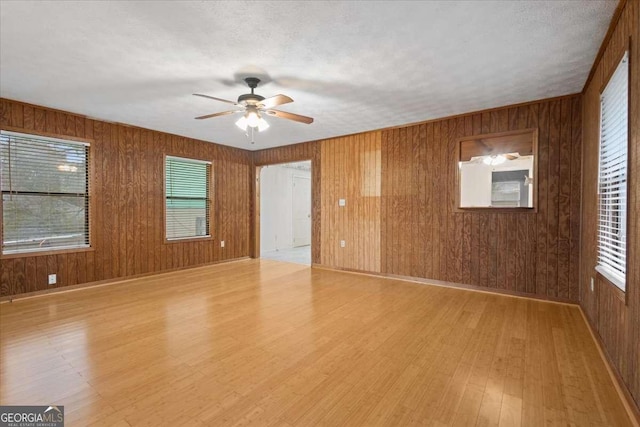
(625,395)
(455,285)
(71,288)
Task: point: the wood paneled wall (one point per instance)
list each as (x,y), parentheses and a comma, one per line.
(351,170)
(127,219)
(614,315)
(420,234)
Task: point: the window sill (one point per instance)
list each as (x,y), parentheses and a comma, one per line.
(487,209)
(611,278)
(188,239)
(46,253)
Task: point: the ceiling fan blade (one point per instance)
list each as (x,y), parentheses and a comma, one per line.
(222,113)
(216,99)
(290,116)
(274,101)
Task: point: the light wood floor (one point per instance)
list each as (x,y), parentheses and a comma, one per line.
(270,343)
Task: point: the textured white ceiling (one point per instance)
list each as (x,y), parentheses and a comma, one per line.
(353,66)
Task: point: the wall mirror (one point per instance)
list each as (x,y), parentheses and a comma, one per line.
(498,171)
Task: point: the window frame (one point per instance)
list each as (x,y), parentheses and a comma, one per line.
(604,272)
(88,142)
(210,182)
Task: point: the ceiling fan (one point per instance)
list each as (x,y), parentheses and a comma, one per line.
(254,106)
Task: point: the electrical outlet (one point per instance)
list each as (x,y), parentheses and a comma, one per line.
(342,202)
(52,279)
(592,284)
(342,243)
(222,243)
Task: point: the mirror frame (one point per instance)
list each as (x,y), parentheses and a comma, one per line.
(533,132)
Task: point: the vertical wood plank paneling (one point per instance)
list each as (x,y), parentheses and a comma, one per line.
(520,225)
(404,204)
(146,214)
(443,194)
(19,279)
(429,247)
(466,233)
(436,193)
(574,191)
(517,252)
(476,129)
(30,273)
(160,255)
(122,250)
(16,115)
(616,315)
(564,199)
(6,278)
(416,218)
(28,121)
(417,207)
(71,272)
(41,272)
(129,187)
(61,270)
(39,120)
(552,203)
(391,150)
(81,267)
(127,200)
(96,190)
(543,191)
(531,257)
(453,254)
(112,212)
(137,172)
(483,221)
(475,249)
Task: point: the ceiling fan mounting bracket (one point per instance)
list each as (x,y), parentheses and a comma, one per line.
(252,82)
(250,98)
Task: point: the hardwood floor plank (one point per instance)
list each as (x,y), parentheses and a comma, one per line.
(267,343)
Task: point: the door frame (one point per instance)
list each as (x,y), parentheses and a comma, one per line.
(255,247)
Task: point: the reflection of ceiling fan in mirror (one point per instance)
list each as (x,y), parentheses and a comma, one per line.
(254,107)
(495,159)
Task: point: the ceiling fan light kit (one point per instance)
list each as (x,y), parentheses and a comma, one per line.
(252,119)
(253,105)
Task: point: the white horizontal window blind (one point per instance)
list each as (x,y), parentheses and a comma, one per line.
(612,185)
(187,198)
(45,198)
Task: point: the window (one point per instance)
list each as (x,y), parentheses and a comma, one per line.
(187,196)
(45,193)
(612,176)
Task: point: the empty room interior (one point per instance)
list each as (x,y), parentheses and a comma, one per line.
(339,213)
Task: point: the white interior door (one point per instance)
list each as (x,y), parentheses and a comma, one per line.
(301,211)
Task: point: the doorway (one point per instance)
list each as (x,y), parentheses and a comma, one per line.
(285,212)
